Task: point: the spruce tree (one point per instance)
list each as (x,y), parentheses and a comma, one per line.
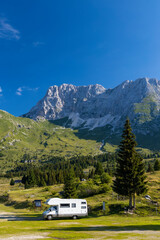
(130,177)
(50,180)
(140,177)
(12,182)
(150,168)
(157,165)
(60,178)
(31,178)
(42,182)
(70,186)
(99,168)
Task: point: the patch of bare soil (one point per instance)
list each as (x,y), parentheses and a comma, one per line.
(24,237)
(6,216)
(10,216)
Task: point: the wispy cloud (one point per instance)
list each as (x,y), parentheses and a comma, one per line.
(20,90)
(7,31)
(1,92)
(37,44)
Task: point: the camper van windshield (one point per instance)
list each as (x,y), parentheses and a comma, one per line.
(52,208)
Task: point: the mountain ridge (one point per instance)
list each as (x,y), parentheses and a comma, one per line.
(94,106)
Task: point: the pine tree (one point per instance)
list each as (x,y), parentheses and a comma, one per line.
(140,177)
(99,168)
(42,182)
(31,178)
(157,165)
(26,186)
(12,182)
(70,186)
(130,177)
(50,180)
(45,177)
(24,179)
(60,176)
(91,174)
(150,168)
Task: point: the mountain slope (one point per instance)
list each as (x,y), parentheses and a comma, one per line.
(25,139)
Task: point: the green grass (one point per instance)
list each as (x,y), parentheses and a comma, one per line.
(104,227)
(146,109)
(115,224)
(110,148)
(40,140)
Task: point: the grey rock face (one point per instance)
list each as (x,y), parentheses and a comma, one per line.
(94,106)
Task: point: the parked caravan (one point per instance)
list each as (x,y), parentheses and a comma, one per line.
(65,208)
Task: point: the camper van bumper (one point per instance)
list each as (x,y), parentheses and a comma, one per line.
(45,216)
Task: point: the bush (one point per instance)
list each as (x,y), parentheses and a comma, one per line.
(105,178)
(92,187)
(46,189)
(104,188)
(4,198)
(87,189)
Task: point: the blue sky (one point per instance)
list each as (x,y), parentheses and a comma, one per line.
(44,43)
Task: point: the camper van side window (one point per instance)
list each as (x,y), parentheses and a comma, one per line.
(73,205)
(83,202)
(64,205)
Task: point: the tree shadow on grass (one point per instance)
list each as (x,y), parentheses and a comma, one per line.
(12,217)
(19,205)
(110,228)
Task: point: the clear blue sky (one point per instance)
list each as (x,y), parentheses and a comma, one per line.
(48,42)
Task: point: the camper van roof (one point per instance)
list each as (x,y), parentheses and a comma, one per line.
(54,201)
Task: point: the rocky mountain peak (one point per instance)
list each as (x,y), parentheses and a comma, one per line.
(94,106)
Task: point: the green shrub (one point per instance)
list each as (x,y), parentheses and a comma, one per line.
(87,189)
(105,178)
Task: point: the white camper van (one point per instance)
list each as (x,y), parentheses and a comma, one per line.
(65,208)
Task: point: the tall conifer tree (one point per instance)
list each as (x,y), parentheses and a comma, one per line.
(70,186)
(157,165)
(130,177)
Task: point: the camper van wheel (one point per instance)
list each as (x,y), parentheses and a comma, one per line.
(74,217)
(49,217)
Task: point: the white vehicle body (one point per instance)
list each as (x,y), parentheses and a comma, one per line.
(65,208)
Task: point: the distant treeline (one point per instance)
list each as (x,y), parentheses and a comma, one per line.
(57,163)
(54,169)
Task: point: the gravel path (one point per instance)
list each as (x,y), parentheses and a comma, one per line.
(25,237)
(10,216)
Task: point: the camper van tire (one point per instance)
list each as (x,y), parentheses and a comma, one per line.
(74,217)
(49,217)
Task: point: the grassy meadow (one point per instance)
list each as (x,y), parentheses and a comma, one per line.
(39,140)
(18,218)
